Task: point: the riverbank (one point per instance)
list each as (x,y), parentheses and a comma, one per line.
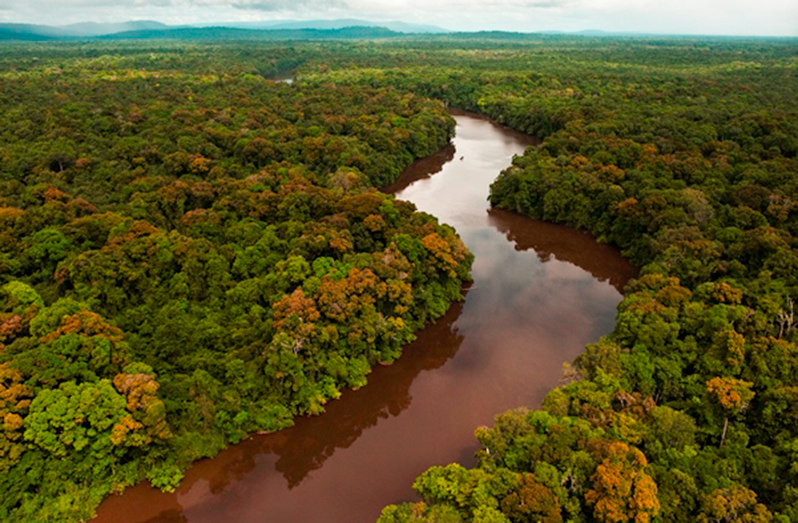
(540,293)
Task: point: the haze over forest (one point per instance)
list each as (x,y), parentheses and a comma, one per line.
(704,17)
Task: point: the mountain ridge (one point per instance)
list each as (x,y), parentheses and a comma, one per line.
(129,29)
(223,32)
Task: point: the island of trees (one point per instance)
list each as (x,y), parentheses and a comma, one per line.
(191,252)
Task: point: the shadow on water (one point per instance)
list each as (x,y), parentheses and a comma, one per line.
(174,515)
(421,170)
(304,447)
(560,242)
(313,439)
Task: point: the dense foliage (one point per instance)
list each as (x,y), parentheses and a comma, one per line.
(189,253)
(684,154)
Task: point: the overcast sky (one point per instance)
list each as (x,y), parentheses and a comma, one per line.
(731,17)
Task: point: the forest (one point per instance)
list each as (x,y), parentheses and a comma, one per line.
(190,257)
(682,153)
(191,252)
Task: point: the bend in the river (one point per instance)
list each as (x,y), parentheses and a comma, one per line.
(540,293)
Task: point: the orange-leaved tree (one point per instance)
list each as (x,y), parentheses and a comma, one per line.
(732,395)
(622,491)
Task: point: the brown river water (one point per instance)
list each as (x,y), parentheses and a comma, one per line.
(540,293)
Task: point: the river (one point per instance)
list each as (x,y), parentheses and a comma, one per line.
(540,293)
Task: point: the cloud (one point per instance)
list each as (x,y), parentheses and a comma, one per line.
(82,4)
(521,4)
(289,5)
(546,4)
(399,9)
(44,6)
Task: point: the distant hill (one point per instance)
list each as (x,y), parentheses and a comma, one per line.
(216,33)
(96,29)
(20,32)
(399,27)
(344,28)
(27,32)
(275,30)
(81,30)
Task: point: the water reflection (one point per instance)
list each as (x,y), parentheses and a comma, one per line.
(551,241)
(421,170)
(284,77)
(307,445)
(540,293)
(303,448)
